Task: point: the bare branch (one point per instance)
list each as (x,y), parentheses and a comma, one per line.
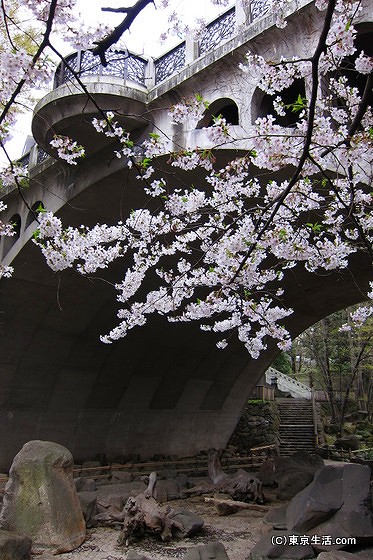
(116,10)
(115,35)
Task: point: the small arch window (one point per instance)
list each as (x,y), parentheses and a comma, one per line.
(35,208)
(225,107)
(363,43)
(15,220)
(262,104)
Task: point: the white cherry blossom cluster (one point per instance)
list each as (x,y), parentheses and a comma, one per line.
(6,230)
(221,249)
(67,149)
(193,107)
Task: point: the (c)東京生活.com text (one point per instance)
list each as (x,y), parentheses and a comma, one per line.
(324,540)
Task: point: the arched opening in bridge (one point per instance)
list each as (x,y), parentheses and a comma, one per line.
(32,215)
(15,220)
(262,103)
(363,43)
(224,107)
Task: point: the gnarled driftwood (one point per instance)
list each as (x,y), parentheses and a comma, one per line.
(241,485)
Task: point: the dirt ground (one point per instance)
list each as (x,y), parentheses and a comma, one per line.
(238,533)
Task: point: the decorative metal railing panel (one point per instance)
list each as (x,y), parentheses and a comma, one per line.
(219,30)
(42,155)
(259,8)
(121,64)
(24,161)
(127,66)
(170,63)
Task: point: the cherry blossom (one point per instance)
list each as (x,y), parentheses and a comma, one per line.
(220,249)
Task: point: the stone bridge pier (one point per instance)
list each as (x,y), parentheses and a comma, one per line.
(166,388)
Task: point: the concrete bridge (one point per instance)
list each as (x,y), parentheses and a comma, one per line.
(165,389)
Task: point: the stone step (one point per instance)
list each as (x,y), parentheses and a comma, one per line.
(296,429)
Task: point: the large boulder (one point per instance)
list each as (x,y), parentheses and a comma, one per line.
(290,474)
(189,523)
(40,499)
(14,547)
(336,503)
(294,473)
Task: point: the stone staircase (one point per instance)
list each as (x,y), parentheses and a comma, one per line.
(296,426)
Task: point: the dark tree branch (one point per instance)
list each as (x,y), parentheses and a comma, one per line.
(35,58)
(116,10)
(115,35)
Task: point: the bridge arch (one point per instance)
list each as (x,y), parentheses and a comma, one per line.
(165,388)
(225,107)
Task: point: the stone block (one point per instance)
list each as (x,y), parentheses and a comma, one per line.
(40,499)
(335,504)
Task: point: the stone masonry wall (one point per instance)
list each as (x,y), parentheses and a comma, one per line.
(259,425)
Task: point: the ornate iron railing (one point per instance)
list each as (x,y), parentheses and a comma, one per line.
(24,161)
(128,66)
(41,155)
(259,8)
(219,30)
(121,64)
(170,63)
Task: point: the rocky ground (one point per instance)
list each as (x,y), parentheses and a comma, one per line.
(238,533)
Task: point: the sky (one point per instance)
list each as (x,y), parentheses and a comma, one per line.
(143,38)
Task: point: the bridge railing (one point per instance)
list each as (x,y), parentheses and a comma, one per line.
(149,71)
(121,64)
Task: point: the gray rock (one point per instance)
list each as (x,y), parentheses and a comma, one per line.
(318,502)
(275,544)
(120,476)
(277,517)
(123,489)
(191,522)
(334,504)
(267,473)
(294,473)
(210,551)
(347,442)
(40,499)
(85,484)
(88,503)
(165,490)
(14,547)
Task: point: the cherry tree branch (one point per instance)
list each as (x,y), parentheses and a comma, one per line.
(44,43)
(320,48)
(115,35)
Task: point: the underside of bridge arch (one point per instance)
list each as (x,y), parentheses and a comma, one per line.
(165,389)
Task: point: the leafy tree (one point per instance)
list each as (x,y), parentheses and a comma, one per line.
(339,361)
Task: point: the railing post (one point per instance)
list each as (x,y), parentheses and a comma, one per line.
(79,61)
(33,156)
(191,49)
(243,12)
(150,73)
